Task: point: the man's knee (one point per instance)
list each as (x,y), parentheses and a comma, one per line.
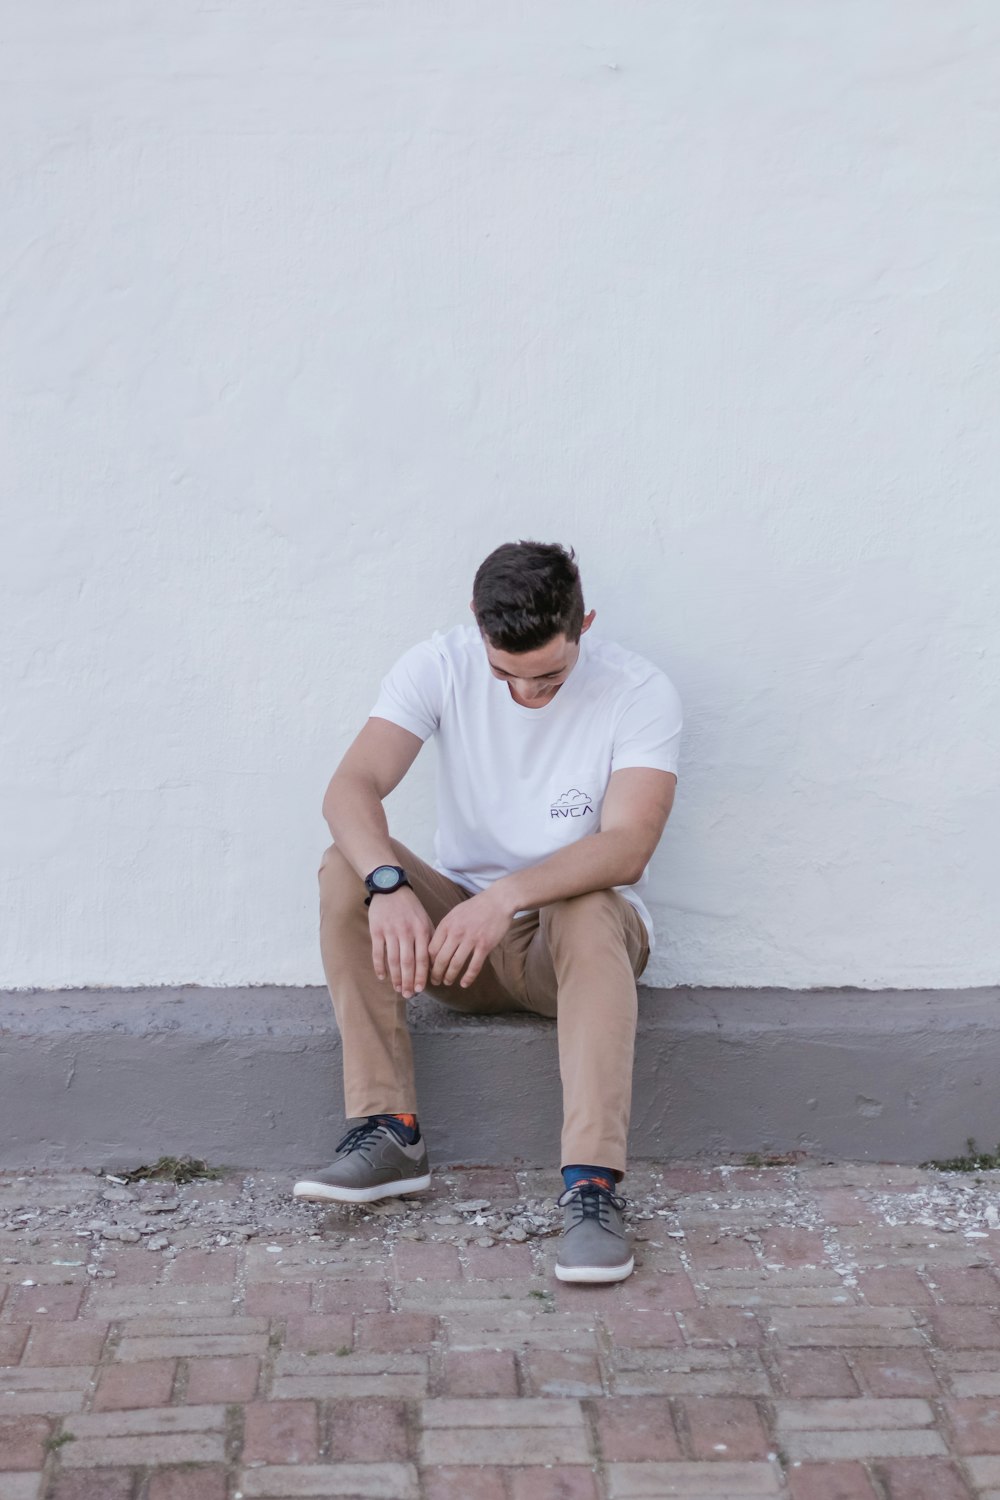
(339,882)
(595,912)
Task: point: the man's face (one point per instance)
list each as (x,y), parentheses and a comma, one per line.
(534,677)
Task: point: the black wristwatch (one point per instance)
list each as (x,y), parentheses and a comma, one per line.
(384,880)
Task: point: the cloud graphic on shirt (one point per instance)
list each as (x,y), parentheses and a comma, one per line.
(567,799)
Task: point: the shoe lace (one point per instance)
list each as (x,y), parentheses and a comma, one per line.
(590,1201)
(360,1135)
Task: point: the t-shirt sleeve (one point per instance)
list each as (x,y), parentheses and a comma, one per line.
(648,732)
(412,691)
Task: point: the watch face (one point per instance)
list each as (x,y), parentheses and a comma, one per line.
(385,877)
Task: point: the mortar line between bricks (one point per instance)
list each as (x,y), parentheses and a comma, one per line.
(947,1431)
(772,1370)
(925,1329)
(857,1374)
(391,1279)
(276,1339)
(520,1372)
(764,1405)
(235,1425)
(604,1369)
(324,1425)
(961,1464)
(924,1277)
(104,1361)
(881,1489)
(943,1375)
(182,1378)
(240,1274)
(598,1465)
(413,1426)
(678,1416)
(768,1418)
(51,1464)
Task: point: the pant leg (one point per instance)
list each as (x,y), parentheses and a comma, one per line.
(581,966)
(371,1016)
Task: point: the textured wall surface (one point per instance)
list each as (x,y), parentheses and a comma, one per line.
(307,306)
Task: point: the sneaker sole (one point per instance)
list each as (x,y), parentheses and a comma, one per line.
(592,1274)
(322,1192)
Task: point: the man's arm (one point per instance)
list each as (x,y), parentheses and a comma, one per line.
(400,928)
(636,806)
(372,767)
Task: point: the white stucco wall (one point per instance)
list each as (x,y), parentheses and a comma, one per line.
(308,305)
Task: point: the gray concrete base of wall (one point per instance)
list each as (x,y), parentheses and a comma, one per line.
(252,1077)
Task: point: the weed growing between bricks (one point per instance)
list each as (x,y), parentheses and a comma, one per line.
(170,1169)
(973,1161)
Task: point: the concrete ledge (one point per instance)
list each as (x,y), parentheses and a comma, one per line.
(252,1077)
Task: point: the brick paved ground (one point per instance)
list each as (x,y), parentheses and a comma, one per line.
(815,1332)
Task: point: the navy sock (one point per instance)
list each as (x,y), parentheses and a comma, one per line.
(603,1176)
(407,1127)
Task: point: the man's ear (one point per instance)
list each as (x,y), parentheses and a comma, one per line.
(588,620)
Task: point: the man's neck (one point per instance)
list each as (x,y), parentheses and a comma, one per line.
(538,703)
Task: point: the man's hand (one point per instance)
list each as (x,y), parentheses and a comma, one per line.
(401,932)
(466,937)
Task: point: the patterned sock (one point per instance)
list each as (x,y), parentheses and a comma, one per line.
(405,1126)
(601,1176)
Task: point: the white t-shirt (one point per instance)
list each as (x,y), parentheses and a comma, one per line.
(515,784)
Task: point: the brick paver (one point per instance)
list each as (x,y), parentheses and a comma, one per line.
(442,1482)
(635,1427)
(281,1432)
(804,1331)
(924,1479)
(142,1383)
(479,1372)
(232,1378)
(22,1443)
(189,1484)
(816,1372)
(95,1484)
(836,1481)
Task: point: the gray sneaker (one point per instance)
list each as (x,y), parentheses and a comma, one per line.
(372,1163)
(594,1245)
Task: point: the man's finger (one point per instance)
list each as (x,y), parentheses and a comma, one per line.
(457,964)
(443,959)
(421,967)
(406,965)
(378,956)
(392,955)
(474,968)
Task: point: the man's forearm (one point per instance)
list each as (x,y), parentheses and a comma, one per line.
(353,809)
(594,863)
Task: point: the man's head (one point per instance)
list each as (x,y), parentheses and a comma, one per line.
(528,604)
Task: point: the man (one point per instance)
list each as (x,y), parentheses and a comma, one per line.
(556,775)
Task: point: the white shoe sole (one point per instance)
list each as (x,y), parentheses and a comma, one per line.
(592,1274)
(322,1192)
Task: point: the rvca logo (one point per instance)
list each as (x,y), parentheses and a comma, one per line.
(572,804)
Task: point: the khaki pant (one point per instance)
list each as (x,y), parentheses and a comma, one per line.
(576,960)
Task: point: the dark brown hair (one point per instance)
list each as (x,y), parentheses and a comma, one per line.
(526,593)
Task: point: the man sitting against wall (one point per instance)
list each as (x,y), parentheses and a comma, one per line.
(556,775)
